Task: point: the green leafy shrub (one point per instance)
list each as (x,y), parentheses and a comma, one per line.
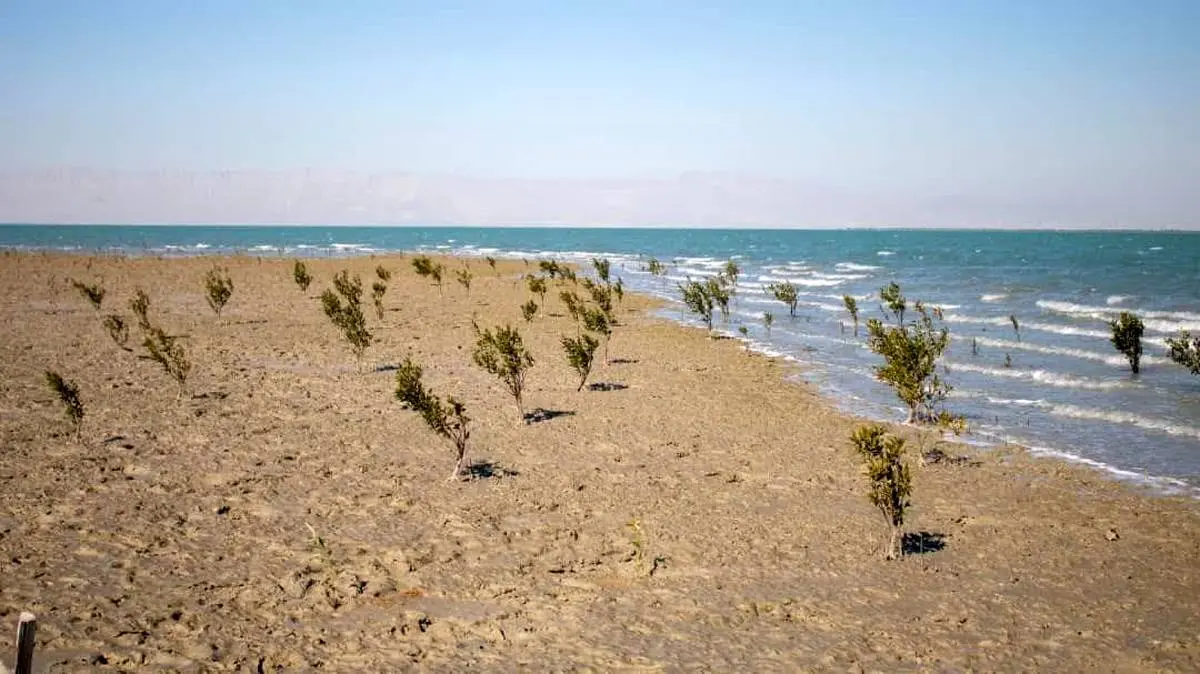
(698,301)
(595,320)
(890,483)
(768,320)
(140,306)
(383,273)
(910,353)
(464,277)
(344,309)
(655,267)
(529,310)
(117,330)
(745,333)
(785,292)
(852,307)
(618,290)
(731,271)
(68,393)
(448,419)
(581,352)
(423,265)
(894,301)
(603,268)
(92,293)
(491,261)
(551,268)
(218,288)
(1127,331)
(301,276)
(502,353)
(718,290)
(378,290)
(602,296)
(166,350)
(1185,350)
(573,303)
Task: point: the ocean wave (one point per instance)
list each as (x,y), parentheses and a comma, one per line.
(839,277)
(884,253)
(1111,416)
(1106,312)
(1008,345)
(995,297)
(809,282)
(1117,299)
(854,266)
(1039,376)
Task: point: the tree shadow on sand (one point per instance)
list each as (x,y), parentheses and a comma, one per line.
(607,386)
(483,470)
(623,361)
(542,414)
(922,542)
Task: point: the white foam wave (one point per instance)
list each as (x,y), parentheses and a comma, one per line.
(1112,416)
(1039,376)
(1117,299)
(1105,313)
(854,266)
(1084,354)
(839,277)
(884,253)
(808,282)
(995,297)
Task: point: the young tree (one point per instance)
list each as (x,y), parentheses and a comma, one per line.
(595,320)
(67,392)
(448,419)
(890,483)
(852,307)
(378,289)
(117,330)
(745,333)
(1127,338)
(602,296)
(768,321)
(618,290)
(1185,350)
(894,301)
(537,286)
(602,267)
(492,263)
(92,293)
(140,306)
(731,271)
(423,266)
(218,288)
(301,276)
(573,303)
(581,353)
(503,354)
(655,267)
(550,268)
(166,350)
(718,290)
(786,292)
(1016,325)
(698,301)
(529,310)
(464,277)
(344,309)
(910,353)
(383,273)
(436,275)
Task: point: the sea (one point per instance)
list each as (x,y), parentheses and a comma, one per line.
(1056,385)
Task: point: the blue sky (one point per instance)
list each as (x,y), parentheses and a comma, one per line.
(975,102)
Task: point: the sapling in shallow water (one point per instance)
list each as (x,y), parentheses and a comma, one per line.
(1127,331)
(1185,350)
(768,321)
(910,353)
(697,300)
(852,307)
(785,292)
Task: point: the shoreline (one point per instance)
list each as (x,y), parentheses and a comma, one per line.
(741,481)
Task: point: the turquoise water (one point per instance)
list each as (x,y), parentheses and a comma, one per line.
(1067,392)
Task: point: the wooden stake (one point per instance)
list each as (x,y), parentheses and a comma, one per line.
(25,634)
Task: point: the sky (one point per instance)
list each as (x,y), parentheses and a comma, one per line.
(790,113)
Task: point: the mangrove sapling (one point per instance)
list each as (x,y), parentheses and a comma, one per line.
(448,419)
(719,292)
(503,353)
(529,310)
(852,307)
(1127,331)
(166,350)
(67,392)
(491,261)
(573,303)
(974,346)
(597,321)
(890,483)
(581,352)
(423,266)
(618,290)
(745,333)
(1012,318)
(344,309)
(92,293)
(910,353)
(378,289)
(768,321)
(893,301)
(537,286)
(1008,360)
(383,273)
(464,277)
(603,268)
(567,275)
(1185,350)
(698,301)
(218,288)
(731,271)
(786,292)
(140,306)
(436,275)
(550,268)
(301,276)
(117,330)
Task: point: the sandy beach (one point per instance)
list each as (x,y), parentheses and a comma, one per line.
(702,512)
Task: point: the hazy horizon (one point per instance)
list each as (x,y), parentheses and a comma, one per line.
(1009,115)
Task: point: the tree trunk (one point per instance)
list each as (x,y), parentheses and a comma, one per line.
(459,465)
(893,549)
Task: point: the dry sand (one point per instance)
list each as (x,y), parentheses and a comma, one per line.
(175,535)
